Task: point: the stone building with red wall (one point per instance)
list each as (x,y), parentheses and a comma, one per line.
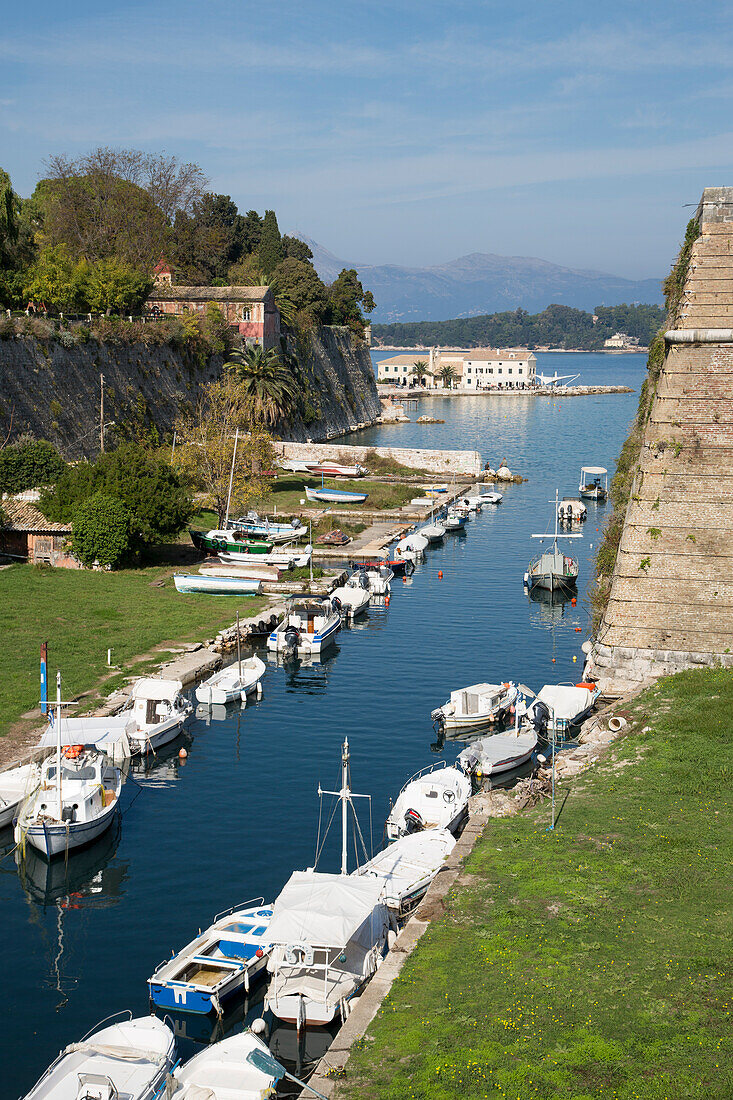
(251,310)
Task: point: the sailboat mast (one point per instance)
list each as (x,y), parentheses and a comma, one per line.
(231,476)
(344,800)
(58,742)
(239,652)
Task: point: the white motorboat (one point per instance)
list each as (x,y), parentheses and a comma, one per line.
(128,1060)
(335,469)
(223,1071)
(408,866)
(553,570)
(328,933)
(237,681)
(593,482)
(474,502)
(455,520)
(16,784)
(217,964)
(159,710)
(499,752)
(572,510)
(250,570)
(192,583)
(476,706)
(433,532)
(411,547)
(286,559)
(557,708)
(489,496)
(434,798)
(350,600)
(324,495)
(375,580)
(74,803)
(309,625)
(254,526)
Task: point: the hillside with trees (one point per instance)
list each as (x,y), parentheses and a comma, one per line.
(555,327)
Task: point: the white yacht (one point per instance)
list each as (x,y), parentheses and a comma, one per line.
(159,710)
(434,798)
(309,625)
(476,706)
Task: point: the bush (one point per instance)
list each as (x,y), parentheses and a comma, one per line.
(101,530)
(28,465)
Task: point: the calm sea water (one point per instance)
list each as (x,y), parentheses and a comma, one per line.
(79,941)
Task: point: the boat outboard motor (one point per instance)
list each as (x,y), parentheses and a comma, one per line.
(413,821)
(292,638)
(363,580)
(540,717)
(336,604)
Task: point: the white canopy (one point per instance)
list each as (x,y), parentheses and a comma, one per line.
(322,910)
(152,688)
(593,470)
(102,733)
(565,701)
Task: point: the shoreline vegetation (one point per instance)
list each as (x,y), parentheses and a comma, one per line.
(571,964)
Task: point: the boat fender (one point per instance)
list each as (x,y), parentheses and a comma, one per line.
(71,752)
(589,685)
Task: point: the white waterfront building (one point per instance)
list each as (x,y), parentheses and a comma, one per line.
(474,369)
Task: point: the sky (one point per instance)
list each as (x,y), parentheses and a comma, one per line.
(402,132)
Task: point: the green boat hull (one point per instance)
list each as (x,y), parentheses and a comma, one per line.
(222,543)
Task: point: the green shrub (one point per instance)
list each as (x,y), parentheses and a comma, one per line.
(27,465)
(101,531)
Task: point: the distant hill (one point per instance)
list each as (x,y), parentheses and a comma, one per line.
(483,283)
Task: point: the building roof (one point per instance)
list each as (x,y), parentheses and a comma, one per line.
(210,293)
(406,360)
(24,516)
(489,355)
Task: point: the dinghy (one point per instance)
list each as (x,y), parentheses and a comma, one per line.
(557,708)
(159,711)
(412,546)
(253,526)
(222,961)
(16,784)
(489,496)
(476,706)
(189,583)
(309,625)
(434,798)
(593,483)
(128,1060)
(408,866)
(335,469)
(350,600)
(375,581)
(335,496)
(287,559)
(74,803)
(224,1071)
(552,569)
(499,752)
(237,681)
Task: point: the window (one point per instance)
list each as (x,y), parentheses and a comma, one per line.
(510,370)
(499,371)
(246,313)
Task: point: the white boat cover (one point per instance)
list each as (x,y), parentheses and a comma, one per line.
(323,910)
(595,470)
(153,688)
(407,861)
(498,748)
(104,734)
(565,701)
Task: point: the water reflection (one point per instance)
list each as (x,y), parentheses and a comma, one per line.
(87,879)
(161,768)
(299,1053)
(193,1029)
(547,609)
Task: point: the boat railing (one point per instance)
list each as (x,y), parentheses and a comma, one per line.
(250,904)
(123,1012)
(424,771)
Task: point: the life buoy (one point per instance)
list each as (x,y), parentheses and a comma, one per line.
(71,752)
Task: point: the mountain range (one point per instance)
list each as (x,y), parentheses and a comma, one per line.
(483,283)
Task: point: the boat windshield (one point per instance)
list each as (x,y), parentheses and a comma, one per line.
(90,772)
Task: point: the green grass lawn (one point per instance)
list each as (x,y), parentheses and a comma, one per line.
(287,493)
(81,613)
(589,962)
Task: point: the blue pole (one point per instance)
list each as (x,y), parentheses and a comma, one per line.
(44,677)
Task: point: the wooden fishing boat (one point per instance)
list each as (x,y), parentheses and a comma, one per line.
(336,537)
(228,540)
(593,483)
(552,569)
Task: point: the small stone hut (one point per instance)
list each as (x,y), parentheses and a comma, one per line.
(27,535)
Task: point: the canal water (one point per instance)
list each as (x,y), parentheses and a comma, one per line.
(233,820)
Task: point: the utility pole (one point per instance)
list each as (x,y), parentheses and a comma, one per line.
(101,413)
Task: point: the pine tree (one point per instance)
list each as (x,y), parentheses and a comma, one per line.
(271,245)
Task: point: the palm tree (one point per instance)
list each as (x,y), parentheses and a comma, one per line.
(447,376)
(268,384)
(420,371)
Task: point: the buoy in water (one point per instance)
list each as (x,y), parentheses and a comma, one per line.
(440,574)
(577,630)
(404,580)
(575,658)
(573,601)
(182,754)
(386,601)
(553,660)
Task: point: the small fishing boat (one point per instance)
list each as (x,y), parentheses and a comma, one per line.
(335,537)
(285,558)
(408,866)
(250,571)
(309,625)
(335,496)
(74,803)
(253,526)
(412,546)
(235,682)
(228,540)
(433,532)
(376,581)
(571,510)
(434,798)
(593,482)
(558,708)
(454,520)
(350,600)
(16,784)
(474,503)
(192,583)
(489,496)
(129,1060)
(159,711)
(476,706)
(335,469)
(553,569)
(225,1071)
(400,566)
(218,963)
(499,752)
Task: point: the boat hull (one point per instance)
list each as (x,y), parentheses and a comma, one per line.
(310,643)
(202,541)
(56,840)
(335,496)
(193,583)
(143,742)
(183,997)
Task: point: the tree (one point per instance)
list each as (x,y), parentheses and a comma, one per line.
(101,531)
(29,465)
(113,286)
(295,249)
(420,371)
(209,241)
(346,294)
(270,250)
(59,280)
(250,229)
(297,282)
(447,375)
(9,212)
(207,448)
(268,385)
(157,499)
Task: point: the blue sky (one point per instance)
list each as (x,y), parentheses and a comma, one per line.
(398,132)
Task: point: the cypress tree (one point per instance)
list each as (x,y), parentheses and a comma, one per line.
(271,245)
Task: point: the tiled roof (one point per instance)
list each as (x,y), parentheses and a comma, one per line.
(209,293)
(24,516)
(490,355)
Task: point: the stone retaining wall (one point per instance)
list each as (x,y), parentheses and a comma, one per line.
(445,463)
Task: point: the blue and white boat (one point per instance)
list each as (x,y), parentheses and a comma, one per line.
(454,520)
(254,526)
(335,496)
(309,625)
(223,586)
(220,962)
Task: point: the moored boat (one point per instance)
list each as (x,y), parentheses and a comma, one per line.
(497,753)
(195,583)
(433,532)
(309,625)
(593,483)
(476,706)
(557,708)
(552,569)
(253,526)
(159,711)
(407,866)
(16,784)
(571,510)
(454,520)
(376,581)
(226,1070)
(434,798)
(237,681)
(350,600)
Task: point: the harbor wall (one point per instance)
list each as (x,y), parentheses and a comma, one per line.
(445,463)
(671,595)
(53,391)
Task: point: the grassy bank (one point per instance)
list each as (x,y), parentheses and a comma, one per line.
(592,961)
(288,491)
(81,614)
